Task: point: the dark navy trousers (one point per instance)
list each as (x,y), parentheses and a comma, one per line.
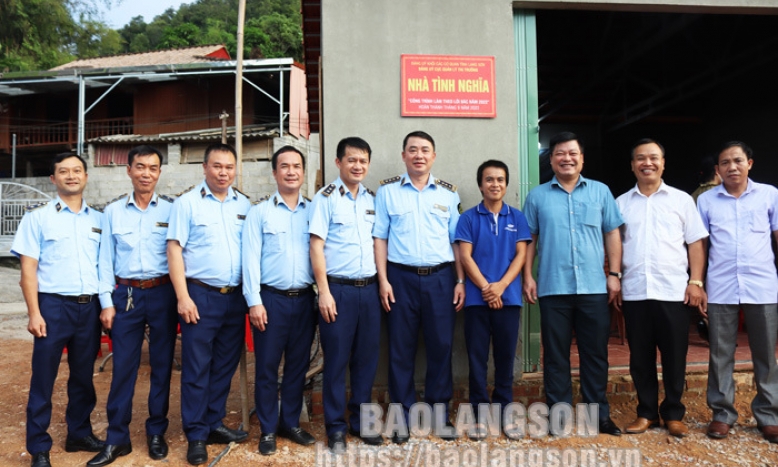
(421,302)
(210,352)
(351,341)
(501,328)
(155,307)
(76,327)
(589,316)
(291,323)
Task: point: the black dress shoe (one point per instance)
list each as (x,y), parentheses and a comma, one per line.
(609,428)
(337,443)
(298,435)
(41,459)
(110,453)
(157,447)
(400,439)
(197,453)
(376,440)
(267,444)
(87,443)
(224,435)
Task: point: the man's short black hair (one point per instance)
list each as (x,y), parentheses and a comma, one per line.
(143,150)
(352,142)
(643,141)
(491,163)
(219,147)
(731,144)
(287,148)
(564,137)
(418,134)
(66,155)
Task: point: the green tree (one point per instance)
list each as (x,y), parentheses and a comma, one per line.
(183,35)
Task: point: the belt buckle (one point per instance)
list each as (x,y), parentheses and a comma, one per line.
(360,282)
(292,293)
(424,271)
(83,299)
(146,283)
(226,290)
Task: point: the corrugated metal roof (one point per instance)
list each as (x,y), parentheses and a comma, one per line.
(211,134)
(199,54)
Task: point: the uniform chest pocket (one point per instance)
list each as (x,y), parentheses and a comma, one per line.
(159,239)
(55,244)
(125,238)
(401,221)
(204,230)
(440,216)
(273,237)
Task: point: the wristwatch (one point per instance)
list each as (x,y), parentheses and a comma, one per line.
(615,274)
(697,283)
(460,281)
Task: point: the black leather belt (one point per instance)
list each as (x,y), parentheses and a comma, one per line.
(355,282)
(222,290)
(80,299)
(287,293)
(144,283)
(422,270)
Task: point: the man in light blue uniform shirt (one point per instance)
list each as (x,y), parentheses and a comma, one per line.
(277,286)
(341,226)
(134,279)
(204,242)
(742,218)
(58,244)
(573,217)
(421,280)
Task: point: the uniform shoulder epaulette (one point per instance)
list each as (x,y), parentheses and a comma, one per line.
(387,181)
(244,194)
(185,191)
(307,199)
(97,207)
(117,199)
(166,198)
(369,191)
(446,185)
(35,206)
(328,191)
(262,199)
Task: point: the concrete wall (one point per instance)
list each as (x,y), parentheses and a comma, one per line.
(361,46)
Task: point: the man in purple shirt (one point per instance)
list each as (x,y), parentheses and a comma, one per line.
(740,214)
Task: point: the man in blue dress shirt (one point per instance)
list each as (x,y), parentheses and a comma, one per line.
(134,278)
(341,226)
(418,269)
(277,286)
(204,241)
(570,219)
(58,244)
(493,239)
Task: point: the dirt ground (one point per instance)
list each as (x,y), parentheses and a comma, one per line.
(745,445)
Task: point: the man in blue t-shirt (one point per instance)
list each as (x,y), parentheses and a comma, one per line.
(493,241)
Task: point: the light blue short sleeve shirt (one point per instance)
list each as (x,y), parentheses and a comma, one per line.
(345,224)
(419,226)
(570,229)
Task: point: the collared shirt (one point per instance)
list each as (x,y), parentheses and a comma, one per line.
(741,264)
(655,233)
(65,244)
(570,228)
(419,226)
(494,239)
(346,225)
(134,242)
(209,232)
(276,247)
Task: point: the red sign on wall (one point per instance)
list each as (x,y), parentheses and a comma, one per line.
(447,86)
